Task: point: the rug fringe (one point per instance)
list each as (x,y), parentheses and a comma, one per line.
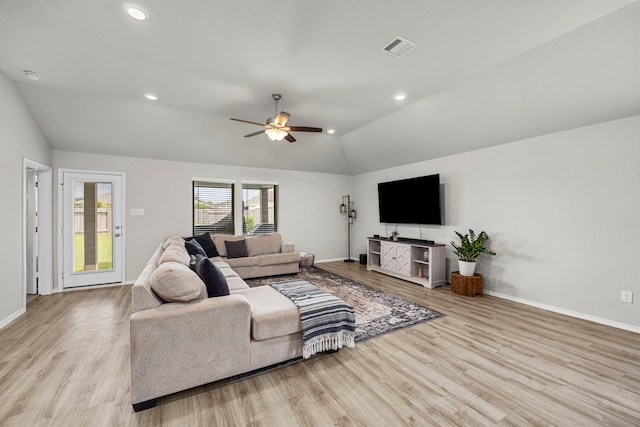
(327,343)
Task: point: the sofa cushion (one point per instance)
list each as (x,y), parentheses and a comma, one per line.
(175,282)
(194,248)
(274,259)
(212,277)
(219,262)
(172,239)
(236,283)
(250,261)
(227,271)
(219,240)
(272,314)
(265,244)
(175,252)
(236,249)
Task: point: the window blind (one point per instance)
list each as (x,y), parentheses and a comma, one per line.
(213,208)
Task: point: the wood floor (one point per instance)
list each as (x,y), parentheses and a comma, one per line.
(488,362)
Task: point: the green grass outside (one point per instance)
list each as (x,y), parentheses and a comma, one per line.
(105,248)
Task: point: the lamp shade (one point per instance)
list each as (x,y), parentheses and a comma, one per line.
(276,134)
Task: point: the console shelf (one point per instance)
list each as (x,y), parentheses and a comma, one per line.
(404,260)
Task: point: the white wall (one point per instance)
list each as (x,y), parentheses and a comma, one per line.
(308,212)
(562,211)
(19,137)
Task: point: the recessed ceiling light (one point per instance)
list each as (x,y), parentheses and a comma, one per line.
(331,131)
(151,97)
(136,12)
(31,75)
(400,97)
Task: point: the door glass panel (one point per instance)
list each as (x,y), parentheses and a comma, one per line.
(92,226)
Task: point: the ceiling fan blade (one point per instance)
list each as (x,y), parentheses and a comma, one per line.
(282,118)
(254,134)
(247,121)
(290,138)
(305,129)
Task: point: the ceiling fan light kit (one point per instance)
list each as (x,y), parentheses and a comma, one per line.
(275,134)
(276,127)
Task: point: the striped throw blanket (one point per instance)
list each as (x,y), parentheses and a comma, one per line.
(328,323)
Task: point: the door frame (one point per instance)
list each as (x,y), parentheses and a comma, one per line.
(61,253)
(45,228)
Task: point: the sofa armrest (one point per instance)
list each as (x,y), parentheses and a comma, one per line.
(181,345)
(287,247)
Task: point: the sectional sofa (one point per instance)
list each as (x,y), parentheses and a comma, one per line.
(181,337)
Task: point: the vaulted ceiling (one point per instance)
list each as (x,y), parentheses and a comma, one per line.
(484,73)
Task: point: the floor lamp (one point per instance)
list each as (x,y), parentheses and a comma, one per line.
(348,208)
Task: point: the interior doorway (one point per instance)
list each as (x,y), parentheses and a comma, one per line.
(37,230)
(31,230)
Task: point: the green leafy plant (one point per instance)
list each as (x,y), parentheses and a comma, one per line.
(471,246)
(394,234)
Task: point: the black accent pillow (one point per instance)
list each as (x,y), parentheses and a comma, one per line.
(194,248)
(212,277)
(207,244)
(237,248)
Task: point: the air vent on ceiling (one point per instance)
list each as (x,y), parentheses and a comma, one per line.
(399,47)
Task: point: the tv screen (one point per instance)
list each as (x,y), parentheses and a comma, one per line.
(410,201)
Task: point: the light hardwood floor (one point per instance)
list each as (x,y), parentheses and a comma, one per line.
(488,362)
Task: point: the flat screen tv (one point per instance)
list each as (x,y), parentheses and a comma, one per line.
(410,201)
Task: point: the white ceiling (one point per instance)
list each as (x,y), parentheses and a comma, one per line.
(485,73)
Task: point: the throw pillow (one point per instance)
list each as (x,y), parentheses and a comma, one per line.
(236,249)
(194,248)
(175,282)
(175,252)
(207,244)
(212,277)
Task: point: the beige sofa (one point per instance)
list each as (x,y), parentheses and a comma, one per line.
(197,340)
(267,254)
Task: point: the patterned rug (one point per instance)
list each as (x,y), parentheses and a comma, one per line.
(377,312)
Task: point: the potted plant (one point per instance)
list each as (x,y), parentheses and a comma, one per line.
(394,235)
(471,246)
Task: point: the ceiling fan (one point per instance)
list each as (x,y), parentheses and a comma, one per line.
(276,127)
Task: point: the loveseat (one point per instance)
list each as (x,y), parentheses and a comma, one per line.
(181,337)
(261,255)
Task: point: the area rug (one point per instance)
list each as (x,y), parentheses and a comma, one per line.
(377,312)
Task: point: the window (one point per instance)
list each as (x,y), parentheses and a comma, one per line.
(213,208)
(259,205)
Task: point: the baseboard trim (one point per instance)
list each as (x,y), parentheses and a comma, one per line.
(566,312)
(88,287)
(13,317)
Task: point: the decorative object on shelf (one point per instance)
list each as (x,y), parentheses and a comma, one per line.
(348,208)
(420,273)
(471,246)
(425,255)
(394,235)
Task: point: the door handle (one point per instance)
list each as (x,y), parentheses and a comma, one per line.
(117,234)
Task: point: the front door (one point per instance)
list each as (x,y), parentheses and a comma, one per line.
(92,229)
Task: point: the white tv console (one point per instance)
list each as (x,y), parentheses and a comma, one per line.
(405,258)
